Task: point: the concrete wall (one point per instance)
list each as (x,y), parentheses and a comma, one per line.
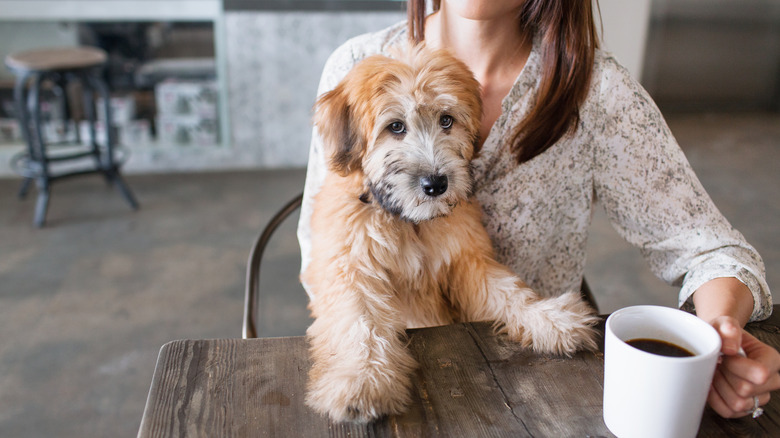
(274,64)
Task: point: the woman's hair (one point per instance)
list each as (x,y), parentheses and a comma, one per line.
(568,38)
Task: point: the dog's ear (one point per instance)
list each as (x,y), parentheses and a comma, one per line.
(342,142)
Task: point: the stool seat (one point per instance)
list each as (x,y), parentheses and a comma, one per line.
(61,58)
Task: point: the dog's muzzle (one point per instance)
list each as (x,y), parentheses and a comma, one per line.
(434,185)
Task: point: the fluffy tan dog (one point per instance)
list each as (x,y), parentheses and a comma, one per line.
(397,240)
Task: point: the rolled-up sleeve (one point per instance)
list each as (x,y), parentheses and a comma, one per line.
(655,201)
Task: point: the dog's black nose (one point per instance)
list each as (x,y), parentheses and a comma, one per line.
(434,185)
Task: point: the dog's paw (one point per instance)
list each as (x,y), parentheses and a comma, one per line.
(363,396)
(559,325)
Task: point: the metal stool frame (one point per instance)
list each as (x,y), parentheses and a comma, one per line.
(34,163)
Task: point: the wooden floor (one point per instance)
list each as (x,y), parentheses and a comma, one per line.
(86,303)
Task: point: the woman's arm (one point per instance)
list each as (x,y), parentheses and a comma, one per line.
(655,200)
(657,203)
(725,296)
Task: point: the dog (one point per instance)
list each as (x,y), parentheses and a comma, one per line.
(397,240)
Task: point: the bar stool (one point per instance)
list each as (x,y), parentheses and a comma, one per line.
(60,67)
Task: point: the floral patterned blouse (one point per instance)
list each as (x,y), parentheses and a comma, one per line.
(622,155)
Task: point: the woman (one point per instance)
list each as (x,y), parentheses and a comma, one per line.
(565,125)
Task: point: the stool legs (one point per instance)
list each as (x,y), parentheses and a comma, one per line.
(39,144)
(27,98)
(19,100)
(24,188)
(107,164)
(41,204)
(116,178)
(28,112)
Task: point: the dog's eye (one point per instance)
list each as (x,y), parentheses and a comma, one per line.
(397,128)
(446,121)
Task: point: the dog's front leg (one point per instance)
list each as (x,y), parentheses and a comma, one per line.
(484,289)
(361,367)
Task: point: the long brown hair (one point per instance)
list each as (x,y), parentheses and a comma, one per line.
(568,42)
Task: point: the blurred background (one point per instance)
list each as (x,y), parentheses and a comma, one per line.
(212,101)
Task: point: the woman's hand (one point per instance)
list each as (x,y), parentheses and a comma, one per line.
(738,379)
(726,303)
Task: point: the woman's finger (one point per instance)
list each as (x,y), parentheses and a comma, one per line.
(749,377)
(733,402)
(727,403)
(730,334)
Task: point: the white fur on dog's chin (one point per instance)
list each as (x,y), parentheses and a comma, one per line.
(428,209)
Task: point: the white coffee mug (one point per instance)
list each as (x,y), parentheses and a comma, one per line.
(649,395)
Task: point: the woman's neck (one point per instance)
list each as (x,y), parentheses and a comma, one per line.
(495,49)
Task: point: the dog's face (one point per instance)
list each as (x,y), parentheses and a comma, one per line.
(410,126)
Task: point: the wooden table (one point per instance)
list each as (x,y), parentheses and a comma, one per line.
(471,383)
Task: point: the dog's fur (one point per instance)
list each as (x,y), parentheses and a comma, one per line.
(386,256)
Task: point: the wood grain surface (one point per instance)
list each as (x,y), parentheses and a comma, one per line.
(470,383)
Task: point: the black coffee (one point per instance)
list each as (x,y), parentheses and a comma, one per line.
(659,347)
